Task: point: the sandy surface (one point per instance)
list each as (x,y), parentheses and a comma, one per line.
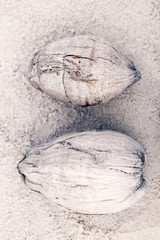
(28,117)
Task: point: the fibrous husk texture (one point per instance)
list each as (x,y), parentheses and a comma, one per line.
(88,172)
(82,70)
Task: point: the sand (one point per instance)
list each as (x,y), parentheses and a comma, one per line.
(28,117)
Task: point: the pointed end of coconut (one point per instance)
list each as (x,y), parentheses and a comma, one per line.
(136,75)
(33,75)
(23,177)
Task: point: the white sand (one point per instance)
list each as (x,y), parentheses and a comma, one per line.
(28,117)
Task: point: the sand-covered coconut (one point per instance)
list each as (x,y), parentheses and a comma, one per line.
(82,70)
(88,172)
